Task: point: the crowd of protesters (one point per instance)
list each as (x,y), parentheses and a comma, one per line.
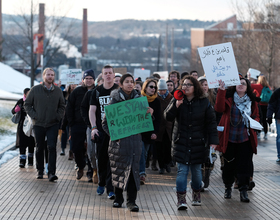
(190,121)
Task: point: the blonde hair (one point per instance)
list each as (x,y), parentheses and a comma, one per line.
(262,80)
(48,69)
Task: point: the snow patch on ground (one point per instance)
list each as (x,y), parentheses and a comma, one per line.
(8,155)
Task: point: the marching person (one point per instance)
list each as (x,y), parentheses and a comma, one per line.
(22,140)
(124,154)
(194,121)
(238,141)
(45,105)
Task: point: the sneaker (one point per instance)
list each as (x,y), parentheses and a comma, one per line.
(278,160)
(100,190)
(133,207)
(79,174)
(62,153)
(196,201)
(52,177)
(142,179)
(40,175)
(111,195)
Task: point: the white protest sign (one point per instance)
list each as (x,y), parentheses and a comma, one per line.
(71,76)
(163,74)
(142,73)
(218,62)
(252,73)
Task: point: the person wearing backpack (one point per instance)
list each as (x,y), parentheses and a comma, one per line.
(263,89)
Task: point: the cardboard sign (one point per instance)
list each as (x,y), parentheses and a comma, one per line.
(71,76)
(252,73)
(218,62)
(128,118)
(142,73)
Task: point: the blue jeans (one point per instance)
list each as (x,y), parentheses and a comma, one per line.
(182,175)
(278,137)
(142,167)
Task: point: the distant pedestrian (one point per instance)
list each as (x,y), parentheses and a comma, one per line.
(170,86)
(45,105)
(274,108)
(194,122)
(175,77)
(194,74)
(22,140)
(124,154)
(238,141)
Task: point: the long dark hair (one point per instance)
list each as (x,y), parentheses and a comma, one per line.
(249,91)
(198,91)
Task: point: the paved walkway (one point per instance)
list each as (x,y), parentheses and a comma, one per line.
(22,196)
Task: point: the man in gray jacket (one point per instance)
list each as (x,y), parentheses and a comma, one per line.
(45,105)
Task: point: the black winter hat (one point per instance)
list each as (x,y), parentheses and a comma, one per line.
(89,72)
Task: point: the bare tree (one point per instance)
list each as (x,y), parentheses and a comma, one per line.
(260,42)
(20,40)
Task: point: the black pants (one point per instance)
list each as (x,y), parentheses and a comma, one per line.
(78,137)
(103,164)
(264,123)
(131,191)
(51,134)
(238,162)
(163,151)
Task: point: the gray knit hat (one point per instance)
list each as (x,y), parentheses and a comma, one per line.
(162,84)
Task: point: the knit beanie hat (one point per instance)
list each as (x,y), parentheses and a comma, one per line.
(89,72)
(162,84)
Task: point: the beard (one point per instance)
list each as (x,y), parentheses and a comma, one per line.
(49,81)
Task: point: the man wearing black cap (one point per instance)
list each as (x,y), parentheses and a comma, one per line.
(76,122)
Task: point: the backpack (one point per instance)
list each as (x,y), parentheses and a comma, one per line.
(266,94)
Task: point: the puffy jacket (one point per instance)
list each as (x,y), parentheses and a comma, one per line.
(274,105)
(224,105)
(45,107)
(194,122)
(125,154)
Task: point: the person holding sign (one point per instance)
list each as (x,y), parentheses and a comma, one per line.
(238,140)
(194,123)
(124,154)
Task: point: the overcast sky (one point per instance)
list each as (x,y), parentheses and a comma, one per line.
(102,10)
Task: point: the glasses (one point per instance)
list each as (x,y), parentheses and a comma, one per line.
(244,84)
(188,85)
(174,76)
(153,87)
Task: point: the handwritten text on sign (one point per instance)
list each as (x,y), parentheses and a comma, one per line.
(71,76)
(128,118)
(218,62)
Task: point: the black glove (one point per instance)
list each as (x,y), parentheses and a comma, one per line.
(269,121)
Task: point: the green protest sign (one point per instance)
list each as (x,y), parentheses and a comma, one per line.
(128,117)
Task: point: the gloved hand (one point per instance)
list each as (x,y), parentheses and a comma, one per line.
(269,121)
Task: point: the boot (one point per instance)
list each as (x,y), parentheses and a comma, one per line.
(154,165)
(22,163)
(182,204)
(30,161)
(62,153)
(244,196)
(196,200)
(251,184)
(227,194)
(71,156)
(95,176)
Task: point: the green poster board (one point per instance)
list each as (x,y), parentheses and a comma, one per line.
(128,117)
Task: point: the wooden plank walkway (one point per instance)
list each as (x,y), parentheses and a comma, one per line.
(22,196)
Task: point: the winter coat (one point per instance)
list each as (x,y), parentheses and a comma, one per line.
(146,136)
(73,112)
(194,122)
(164,124)
(274,105)
(125,154)
(45,107)
(224,105)
(22,140)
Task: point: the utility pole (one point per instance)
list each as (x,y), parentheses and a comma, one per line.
(159,46)
(166,49)
(32,48)
(172,49)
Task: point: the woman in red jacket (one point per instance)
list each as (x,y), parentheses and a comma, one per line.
(237,141)
(262,82)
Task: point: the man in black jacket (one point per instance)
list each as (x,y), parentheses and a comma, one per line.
(274,107)
(75,121)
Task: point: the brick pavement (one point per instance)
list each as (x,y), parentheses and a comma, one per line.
(22,196)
